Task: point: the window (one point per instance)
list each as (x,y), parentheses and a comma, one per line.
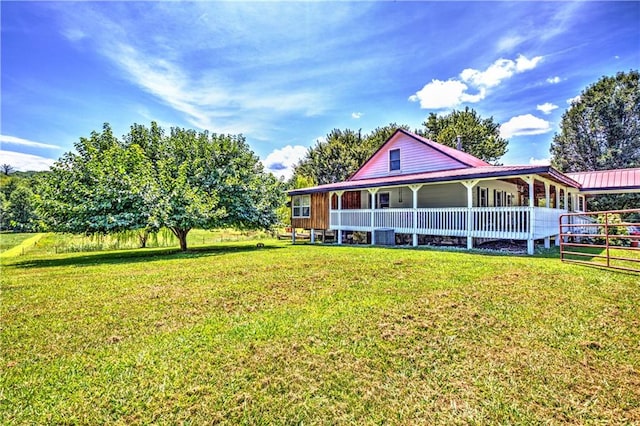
(302,206)
(383,200)
(483,197)
(394,159)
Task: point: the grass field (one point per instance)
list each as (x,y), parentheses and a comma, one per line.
(318,335)
(10,240)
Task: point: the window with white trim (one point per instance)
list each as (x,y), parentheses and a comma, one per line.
(301,205)
(394,160)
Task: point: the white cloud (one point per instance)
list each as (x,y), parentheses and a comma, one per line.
(356,115)
(573,100)
(453,92)
(546,107)
(509,42)
(25,162)
(280,162)
(523,64)
(524,125)
(13,140)
(445,94)
(554,80)
(539,161)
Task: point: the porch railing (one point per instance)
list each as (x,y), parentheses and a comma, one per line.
(486,222)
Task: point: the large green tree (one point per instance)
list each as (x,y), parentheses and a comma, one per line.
(181,181)
(212,181)
(103,187)
(480,137)
(601,131)
(342,154)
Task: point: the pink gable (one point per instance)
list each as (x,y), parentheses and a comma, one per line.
(417,155)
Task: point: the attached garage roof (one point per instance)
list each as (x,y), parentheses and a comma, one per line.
(608,181)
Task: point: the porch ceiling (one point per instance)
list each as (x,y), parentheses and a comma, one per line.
(507,172)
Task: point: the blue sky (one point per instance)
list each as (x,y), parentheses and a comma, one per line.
(285,74)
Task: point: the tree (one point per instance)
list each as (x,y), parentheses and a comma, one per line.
(342,154)
(480,137)
(184,180)
(6,169)
(103,188)
(601,130)
(21,210)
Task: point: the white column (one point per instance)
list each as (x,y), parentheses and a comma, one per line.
(530,242)
(547,203)
(312,238)
(566,200)
(339,195)
(557,239)
(415,189)
(372,197)
(469,184)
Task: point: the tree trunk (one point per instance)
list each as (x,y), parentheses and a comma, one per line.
(181,234)
(142,238)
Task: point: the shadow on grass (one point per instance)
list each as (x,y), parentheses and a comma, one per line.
(139,255)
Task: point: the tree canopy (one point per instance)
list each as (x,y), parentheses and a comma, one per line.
(181,180)
(480,137)
(601,130)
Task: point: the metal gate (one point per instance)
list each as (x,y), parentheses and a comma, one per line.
(607,239)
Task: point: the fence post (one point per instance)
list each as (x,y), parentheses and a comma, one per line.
(606,236)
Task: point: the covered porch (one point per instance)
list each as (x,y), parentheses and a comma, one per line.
(518,208)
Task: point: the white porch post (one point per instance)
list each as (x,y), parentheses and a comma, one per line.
(558,207)
(566,200)
(312,238)
(339,194)
(415,189)
(469,184)
(372,193)
(530,241)
(547,201)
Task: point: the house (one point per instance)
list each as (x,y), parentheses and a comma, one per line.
(426,191)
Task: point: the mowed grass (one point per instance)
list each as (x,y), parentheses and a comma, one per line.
(236,334)
(10,240)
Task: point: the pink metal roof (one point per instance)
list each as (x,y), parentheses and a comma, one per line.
(603,180)
(442,176)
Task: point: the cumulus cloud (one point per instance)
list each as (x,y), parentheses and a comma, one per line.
(13,140)
(524,125)
(25,162)
(444,94)
(356,115)
(546,107)
(554,80)
(448,94)
(280,162)
(539,161)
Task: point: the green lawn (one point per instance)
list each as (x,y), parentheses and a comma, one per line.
(235,334)
(9,240)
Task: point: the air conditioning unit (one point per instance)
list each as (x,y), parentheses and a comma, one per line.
(385,236)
